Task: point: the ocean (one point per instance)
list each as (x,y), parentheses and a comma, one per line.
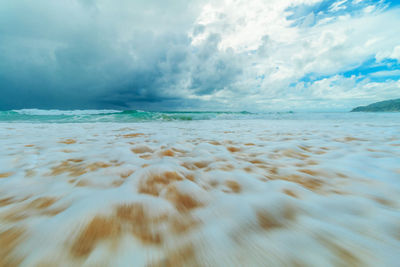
(122,116)
(137,188)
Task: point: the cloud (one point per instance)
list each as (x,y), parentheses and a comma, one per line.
(279,54)
(81,53)
(386,73)
(222,54)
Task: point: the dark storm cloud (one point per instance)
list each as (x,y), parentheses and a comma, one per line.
(87,54)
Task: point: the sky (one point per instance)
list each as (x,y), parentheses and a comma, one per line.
(254,55)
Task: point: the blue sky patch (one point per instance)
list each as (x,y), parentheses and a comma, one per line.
(309,15)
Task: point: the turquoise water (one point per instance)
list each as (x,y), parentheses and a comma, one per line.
(68,116)
(78,116)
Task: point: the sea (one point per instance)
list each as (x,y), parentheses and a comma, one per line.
(122,116)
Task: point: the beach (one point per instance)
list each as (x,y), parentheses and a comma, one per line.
(295,190)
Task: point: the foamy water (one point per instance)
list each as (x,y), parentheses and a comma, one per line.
(304,192)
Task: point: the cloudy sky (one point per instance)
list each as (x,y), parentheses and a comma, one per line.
(198,55)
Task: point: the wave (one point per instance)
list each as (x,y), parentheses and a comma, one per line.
(121,116)
(56,112)
(106,115)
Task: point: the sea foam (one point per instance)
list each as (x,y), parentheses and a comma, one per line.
(201,193)
(56,112)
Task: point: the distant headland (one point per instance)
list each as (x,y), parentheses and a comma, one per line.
(392,105)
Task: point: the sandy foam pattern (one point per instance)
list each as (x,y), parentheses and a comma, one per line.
(232,193)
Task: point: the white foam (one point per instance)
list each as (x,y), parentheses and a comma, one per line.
(55,112)
(262,192)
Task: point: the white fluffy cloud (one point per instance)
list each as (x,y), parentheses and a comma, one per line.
(276,54)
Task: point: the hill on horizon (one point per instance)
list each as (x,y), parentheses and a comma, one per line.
(392,105)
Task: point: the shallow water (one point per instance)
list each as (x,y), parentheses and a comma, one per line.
(313,190)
